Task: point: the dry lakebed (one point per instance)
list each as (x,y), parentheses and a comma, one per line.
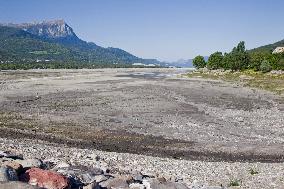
(202,132)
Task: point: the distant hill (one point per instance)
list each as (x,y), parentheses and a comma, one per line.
(182,63)
(56,40)
(268,48)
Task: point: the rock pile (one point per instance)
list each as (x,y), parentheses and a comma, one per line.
(19,173)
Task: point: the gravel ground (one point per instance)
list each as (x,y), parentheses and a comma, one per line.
(148,112)
(195,174)
(193,116)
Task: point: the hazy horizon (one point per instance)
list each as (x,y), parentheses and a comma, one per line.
(165,30)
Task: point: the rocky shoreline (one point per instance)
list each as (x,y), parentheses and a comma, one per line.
(84,168)
(57,170)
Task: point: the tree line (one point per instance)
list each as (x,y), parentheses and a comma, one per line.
(18,65)
(241,59)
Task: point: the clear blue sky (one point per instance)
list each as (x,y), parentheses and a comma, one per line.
(162,29)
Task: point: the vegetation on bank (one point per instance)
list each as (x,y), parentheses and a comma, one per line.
(266,81)
(240,59)
(63,65)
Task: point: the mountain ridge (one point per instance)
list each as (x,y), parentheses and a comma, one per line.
(56,40)
(268,48)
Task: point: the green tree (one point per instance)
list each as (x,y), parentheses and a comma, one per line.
(255,60)
(239,58)
(215,61)
(199,62)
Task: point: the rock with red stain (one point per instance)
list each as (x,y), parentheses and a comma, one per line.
(45,179)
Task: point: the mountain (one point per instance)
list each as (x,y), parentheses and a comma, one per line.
(56,40)
(268,48)
(47,29)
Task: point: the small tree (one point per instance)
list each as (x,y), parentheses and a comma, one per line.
(199,62)
(239,57)
(215,61)
(265,66)
(226,61)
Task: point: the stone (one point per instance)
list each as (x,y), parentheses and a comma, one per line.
(10,155)
(155,184)
(122,181)
(100,178)
(45,179)
(246,77)
(138,178)
(14,165)
(62,164)
(3,154)
(85,174)
(136,186)
(92,186)
(8,174)
(30,163)
(16,185)
(48,165)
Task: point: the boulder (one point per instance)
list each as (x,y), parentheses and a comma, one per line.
(8,174)
(14,165)
(16,185)
(45,179)
(30,163)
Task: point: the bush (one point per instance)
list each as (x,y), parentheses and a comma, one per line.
(265,66)
(199,62)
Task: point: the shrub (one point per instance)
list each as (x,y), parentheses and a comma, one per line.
(265,66)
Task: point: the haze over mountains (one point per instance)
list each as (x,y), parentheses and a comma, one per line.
(56,40)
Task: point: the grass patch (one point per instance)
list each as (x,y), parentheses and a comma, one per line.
(265,81)
(253,171)
(235,182)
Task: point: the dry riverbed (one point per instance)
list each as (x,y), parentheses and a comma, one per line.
(152,112)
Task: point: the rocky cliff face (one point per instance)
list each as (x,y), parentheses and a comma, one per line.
(47,29)
(51,29)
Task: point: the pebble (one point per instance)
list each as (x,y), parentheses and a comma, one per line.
(16,185)
(125,169)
